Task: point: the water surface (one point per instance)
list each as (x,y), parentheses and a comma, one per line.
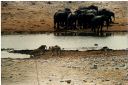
(33,41)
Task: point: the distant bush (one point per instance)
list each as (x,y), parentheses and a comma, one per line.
(49,2)
(33,3)
(4,4)
(69,1)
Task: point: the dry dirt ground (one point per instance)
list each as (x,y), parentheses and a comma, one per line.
(32,17)
(70,68)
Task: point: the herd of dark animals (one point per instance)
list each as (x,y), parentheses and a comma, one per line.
(82,18)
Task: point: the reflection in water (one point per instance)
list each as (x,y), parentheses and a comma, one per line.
(32,41)
(67,42)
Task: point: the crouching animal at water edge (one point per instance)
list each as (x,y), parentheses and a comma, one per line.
(39,51)
(56,50)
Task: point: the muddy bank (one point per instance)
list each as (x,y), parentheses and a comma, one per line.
(70,68)
(43,51)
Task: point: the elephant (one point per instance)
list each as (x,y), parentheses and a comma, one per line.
(93,11)
(60,18)
(72,20)
(108,13)
(84,20)
(89,17)
(55,50)
(67,10)
(97,23)
(91,7)
(81,20)
(84,16)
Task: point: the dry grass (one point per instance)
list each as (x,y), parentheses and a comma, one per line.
(23,16)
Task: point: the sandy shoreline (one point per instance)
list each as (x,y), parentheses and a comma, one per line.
(70,68)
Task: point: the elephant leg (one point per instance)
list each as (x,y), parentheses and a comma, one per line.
(94,28)
(79,25)
(56,52)
(101,26)
(52,52)
(98,28)
(107,24)
(62,24)
(75,25)
(66,23)
(84,26)
(58,25)
(67,26)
